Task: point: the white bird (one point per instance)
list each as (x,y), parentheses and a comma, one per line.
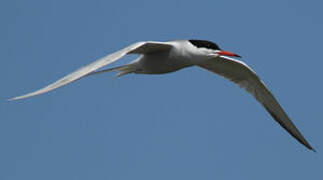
(165,57)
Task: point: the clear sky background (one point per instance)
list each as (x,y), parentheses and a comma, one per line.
(190,124)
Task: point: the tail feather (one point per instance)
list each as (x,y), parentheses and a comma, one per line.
(123,70)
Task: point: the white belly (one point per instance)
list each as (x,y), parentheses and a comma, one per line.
(159,63)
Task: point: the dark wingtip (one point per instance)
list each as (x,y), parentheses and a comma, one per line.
(236,55)
(313,149)
(300,139)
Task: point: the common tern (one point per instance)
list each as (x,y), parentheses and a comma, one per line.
(165,57)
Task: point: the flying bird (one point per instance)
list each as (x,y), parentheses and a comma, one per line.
(165,57)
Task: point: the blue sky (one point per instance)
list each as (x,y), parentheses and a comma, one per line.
(190,124)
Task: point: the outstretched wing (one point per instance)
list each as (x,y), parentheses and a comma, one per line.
(241,74)
(136,48)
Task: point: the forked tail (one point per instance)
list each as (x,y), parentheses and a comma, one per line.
(123,70)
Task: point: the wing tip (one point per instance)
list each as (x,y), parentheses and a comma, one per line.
(310,148)
(296,133)
(23,96)
(15,98)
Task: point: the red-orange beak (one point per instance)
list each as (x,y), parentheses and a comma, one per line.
(227,53)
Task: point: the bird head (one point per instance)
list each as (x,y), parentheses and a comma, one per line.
(211,49)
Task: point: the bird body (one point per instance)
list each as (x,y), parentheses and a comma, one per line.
(181,55)
(165,57)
